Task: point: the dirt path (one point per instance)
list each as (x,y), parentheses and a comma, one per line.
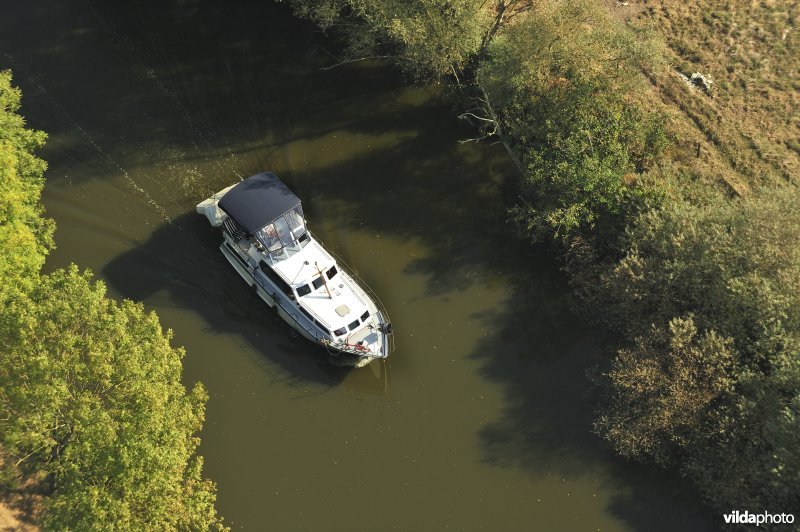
(12,518)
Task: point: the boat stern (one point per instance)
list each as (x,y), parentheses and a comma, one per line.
(209,208)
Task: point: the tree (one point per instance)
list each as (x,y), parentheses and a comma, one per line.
(563,84)
(734,264)
(663,392)
(91,399)
(718,395)
(583,173)
(427,38)
(25,235)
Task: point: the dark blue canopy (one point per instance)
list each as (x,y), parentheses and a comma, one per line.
(258,200)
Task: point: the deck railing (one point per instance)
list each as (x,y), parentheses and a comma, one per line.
(298,319)
(363,289)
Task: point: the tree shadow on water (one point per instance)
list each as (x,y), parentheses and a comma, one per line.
(540,353)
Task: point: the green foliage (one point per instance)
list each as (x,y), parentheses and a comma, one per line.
(564,41)
(563,82)
(734,264)
(25,236)
(91,398)
(428,38)
(90,394)
(666,392)
(583,171)
(718,395)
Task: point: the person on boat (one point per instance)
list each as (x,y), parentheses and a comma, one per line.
(270,235)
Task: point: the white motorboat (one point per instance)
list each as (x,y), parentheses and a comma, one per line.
(266,240)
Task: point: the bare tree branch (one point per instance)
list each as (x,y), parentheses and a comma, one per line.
(346,61)
(464,116)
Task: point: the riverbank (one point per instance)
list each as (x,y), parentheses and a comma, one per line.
(96,426)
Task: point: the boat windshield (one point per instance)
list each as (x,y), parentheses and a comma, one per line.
(285,233)
(297,224)
(269,236)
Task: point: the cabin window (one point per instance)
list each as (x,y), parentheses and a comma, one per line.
(295,221)
(365,316)
(310,317)
(339,332)
(303,290)
(353,325)
(331,272)
(319,281)
(285,233)
(275,278)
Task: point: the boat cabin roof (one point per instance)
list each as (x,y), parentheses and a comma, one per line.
(301,268)
(258,200)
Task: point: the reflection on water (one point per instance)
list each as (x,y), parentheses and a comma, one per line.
(479,420)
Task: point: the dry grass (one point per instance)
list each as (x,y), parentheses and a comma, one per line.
(746,130)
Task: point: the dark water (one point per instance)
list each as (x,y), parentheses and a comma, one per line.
(481,417)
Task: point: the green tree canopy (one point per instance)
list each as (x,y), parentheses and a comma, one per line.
(562,83)
(429,38)
(712,382)
(25,235)
(91,398)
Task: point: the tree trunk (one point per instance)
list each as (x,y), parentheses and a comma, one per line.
(500,134)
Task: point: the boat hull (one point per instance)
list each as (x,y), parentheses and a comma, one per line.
(343,354)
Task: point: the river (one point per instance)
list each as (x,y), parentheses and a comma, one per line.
(481,419)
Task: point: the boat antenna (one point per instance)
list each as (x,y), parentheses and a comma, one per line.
(324,281)
(305,263)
